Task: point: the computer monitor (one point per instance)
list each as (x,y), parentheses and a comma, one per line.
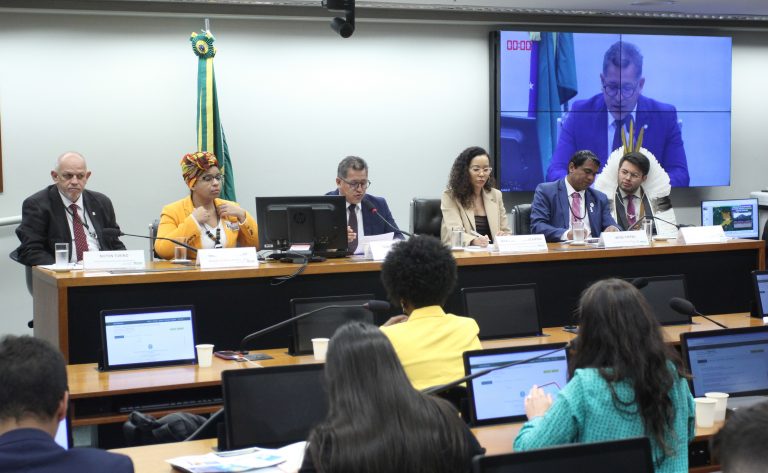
(738,217)
(147,336)
(323,324)
(627,456)
(63,435)
(274,406)
(499,397)
(503,311)
(658,291)
(733,361)
(313,224)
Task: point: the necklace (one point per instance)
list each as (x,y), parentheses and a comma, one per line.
(217,238)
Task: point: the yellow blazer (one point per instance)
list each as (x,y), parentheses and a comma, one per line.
(431,343)
(176,222)
(454,215)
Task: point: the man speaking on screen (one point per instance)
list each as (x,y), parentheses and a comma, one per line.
(596,123)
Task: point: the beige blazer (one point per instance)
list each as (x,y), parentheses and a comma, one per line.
(454,215)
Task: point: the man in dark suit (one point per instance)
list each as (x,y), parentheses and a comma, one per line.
(352,182)
(65,213)
(557,204)
(33,401)
(595,123)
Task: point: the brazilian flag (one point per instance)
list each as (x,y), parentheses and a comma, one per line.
(210,133)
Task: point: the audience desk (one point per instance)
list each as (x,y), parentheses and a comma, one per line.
(232,303)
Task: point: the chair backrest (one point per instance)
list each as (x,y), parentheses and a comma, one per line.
(152,235)
(426,217)
(521,216)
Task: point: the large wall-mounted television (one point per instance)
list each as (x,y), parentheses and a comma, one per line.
(553,97)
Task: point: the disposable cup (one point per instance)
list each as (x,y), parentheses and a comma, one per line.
(204,355)
(705,411)
(319,348)
(722,403)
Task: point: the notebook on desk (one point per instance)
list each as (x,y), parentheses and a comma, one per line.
(625,456)
(147,337)
(733,361)
(499,397)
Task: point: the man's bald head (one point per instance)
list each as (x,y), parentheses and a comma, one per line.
(71,174)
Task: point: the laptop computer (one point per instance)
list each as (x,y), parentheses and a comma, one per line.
(272,407)
(658,292)
(627,456)
(503,311)
(499,397)
(733,361)
(738,217)
(760,283)
(147,337)
(63,435)
(323,324)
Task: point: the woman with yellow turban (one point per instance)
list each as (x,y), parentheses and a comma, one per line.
(202,219)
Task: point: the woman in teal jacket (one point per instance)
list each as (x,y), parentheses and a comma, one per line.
(625,382)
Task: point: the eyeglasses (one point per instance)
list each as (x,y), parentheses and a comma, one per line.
(479,170)
(627,90)
(69,176)
(633,175)
(210,177)
(357,184)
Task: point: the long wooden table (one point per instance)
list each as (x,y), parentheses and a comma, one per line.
(496,440)
(232,303)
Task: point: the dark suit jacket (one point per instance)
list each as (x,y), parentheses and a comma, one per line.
(44,223)
(35,451)
(586,127)
(550,212)
(621,213)
(372,225)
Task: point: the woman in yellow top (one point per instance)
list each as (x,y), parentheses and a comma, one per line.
(202,219)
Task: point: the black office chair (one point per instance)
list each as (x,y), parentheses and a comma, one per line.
(426,217)
(521,215)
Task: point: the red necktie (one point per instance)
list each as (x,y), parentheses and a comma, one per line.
(631,214)
(81,243)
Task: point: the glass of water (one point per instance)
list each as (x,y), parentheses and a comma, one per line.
(579,231)
(457,237)
(62,254)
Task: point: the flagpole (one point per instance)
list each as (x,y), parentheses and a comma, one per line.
(207,26)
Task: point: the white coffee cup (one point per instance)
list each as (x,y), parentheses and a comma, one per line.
(204,355)
(705,411)
(722,403)
(319,348)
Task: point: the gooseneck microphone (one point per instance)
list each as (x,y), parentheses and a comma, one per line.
(470,377)
(372,305)
(639,282)
(375,212)
(114,233)
(639,223)
(686,307)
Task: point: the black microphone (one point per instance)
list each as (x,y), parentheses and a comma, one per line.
(114,233)
(373,305)
(686,307)
(639,282)
(637,224)
(470,377)
(375,212)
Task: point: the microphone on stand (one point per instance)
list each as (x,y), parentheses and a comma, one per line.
(639,223)
(114,233)
(372,305)
(639,282)
(375,212)
(686,307)
(470,377)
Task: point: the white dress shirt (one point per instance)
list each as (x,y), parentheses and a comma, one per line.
(88,228)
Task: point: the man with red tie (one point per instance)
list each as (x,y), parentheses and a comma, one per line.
(557,205)
(65,213)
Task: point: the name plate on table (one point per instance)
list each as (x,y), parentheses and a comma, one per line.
(521,243)
(120,259)
(623,239)
(708,234)
(377,250)
(228,258)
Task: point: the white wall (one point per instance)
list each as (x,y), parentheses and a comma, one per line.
(295,98)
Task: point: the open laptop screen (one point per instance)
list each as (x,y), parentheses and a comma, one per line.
(626,456)
(64,433)
(272,407)
(760,281)
(503,311)
(738,217)
(499,397)
(733,361)
(145,337)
